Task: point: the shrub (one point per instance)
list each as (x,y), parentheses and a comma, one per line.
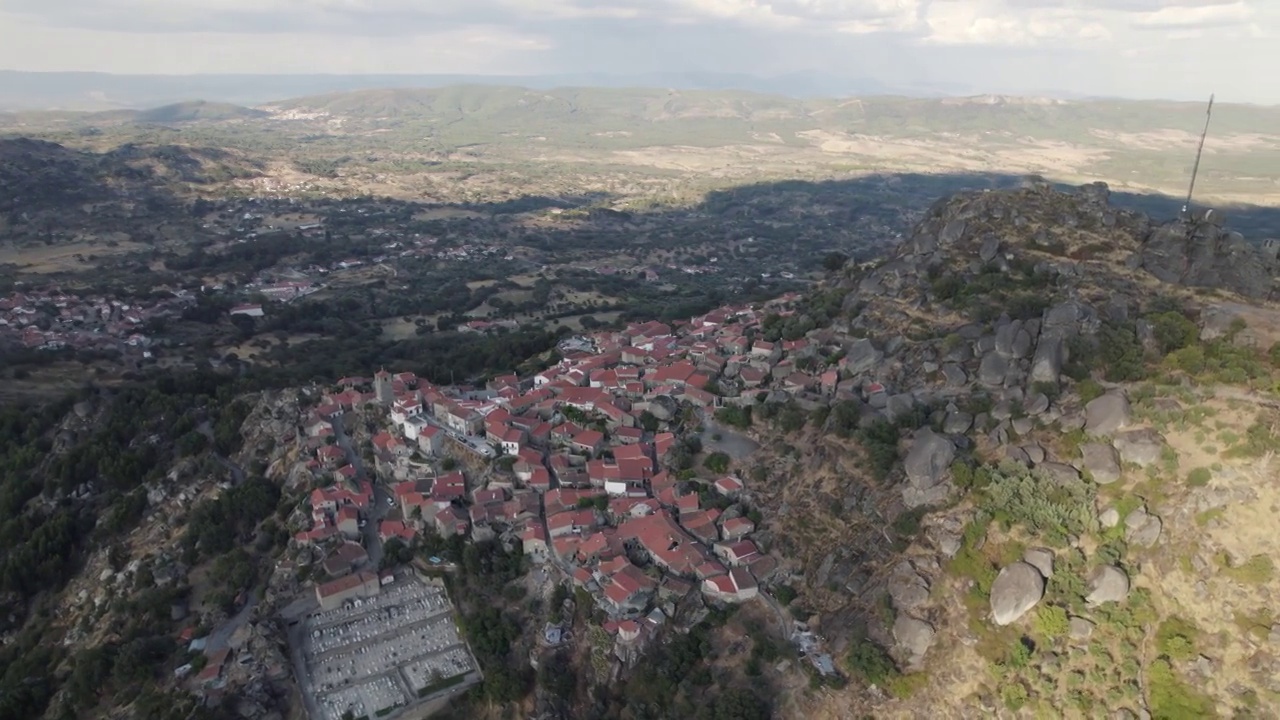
(844,418)
(1013,695)
(1173,331)
(870,662)
(969,477)
(739,417)
(1199,477)
(1049,388)
(970,562)
(1121,353)
(717,462)
(1176,638)
(881,443)
(1190,360)
(1050,621)
(1019,495)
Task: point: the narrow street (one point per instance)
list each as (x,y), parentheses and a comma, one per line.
(221,635)
(379,504)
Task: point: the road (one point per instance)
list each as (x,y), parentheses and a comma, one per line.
(477,444)
(237,473)
(380,503)
(221,635)
(784,619)
(732,442)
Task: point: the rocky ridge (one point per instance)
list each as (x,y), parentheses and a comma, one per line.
(989,317)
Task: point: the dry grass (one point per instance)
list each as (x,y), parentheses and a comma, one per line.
(62,257)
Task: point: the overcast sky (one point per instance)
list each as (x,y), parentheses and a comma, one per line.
(1182,49)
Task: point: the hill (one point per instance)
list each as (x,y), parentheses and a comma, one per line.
(1036,488)
(645,144)
(198,110)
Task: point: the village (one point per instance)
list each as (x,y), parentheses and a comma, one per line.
(50,319)
(578,466)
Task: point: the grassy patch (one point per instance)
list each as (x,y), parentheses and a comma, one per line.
(1176,638)
(1171,698)
(1256,570)
(1199,477)
(1203,519)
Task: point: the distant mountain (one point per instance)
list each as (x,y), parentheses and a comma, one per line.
(102,91)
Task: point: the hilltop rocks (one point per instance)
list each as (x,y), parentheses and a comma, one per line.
(1140,447)
(913,637)
(1012,340)
(862,356)
(930,456)
(957,423)
(1016,590)
(990,246)
(907,589)
(952,232)
(1106,414)
(663,407)
(1101,461)
(1109,518)
(992,370)
(1107,584)
(1142,528)
(954,375)
(1041,559)
(1202,254)
(1079,628)
(1060,473)
(1046,366)
(1037,404)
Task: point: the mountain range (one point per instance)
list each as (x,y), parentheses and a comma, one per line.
(104,91)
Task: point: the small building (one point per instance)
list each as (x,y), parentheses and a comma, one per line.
(332,594)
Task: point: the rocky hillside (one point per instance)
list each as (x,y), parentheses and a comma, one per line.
(1044,488)
(38,176)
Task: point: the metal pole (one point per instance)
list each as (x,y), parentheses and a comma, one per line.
(1208,114)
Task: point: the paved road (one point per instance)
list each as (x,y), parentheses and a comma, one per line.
(221,635)
(237,473)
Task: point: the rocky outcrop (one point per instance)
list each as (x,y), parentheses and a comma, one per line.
(930,456)
(913,638)
(1016,590)
(1142,528)
(1200,253)
(1141,447)
(1041,559)
(1107,584)
(1106,414)
(907,588)
(1101,461)
(862,356)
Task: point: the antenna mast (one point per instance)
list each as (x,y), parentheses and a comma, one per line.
(1208,114)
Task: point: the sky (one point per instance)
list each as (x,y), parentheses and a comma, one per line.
(1181,49)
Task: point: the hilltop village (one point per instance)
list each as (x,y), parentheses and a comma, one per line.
(586,465)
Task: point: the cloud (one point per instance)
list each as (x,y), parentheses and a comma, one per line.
(1111,46)
(1191,17)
